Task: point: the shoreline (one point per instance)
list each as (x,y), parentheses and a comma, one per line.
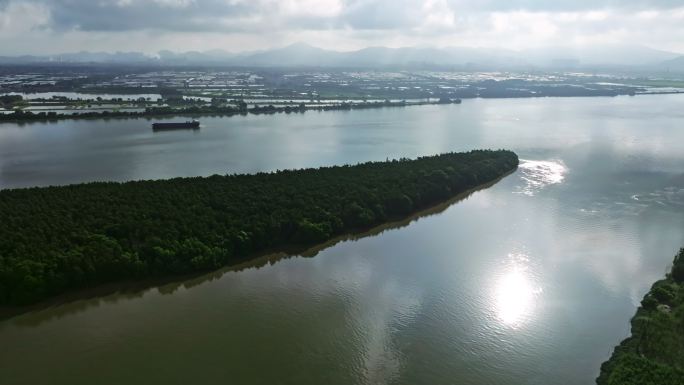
(204,111)
(264,109)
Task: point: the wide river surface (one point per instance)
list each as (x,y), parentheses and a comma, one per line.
(530,281)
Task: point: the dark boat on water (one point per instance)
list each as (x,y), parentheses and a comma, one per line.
(191,125)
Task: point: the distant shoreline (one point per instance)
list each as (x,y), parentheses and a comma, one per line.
(256,109)
(203,111)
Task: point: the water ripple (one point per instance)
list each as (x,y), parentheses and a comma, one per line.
(668,197)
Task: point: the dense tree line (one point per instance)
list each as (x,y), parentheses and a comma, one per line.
(7,101)
(57,238)
(654,353)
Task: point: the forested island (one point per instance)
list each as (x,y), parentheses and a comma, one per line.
(54,239)
(654,353)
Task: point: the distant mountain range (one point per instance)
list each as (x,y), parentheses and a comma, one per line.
(304,55)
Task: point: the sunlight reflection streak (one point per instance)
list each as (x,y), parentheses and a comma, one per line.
(538,174)
(516,294)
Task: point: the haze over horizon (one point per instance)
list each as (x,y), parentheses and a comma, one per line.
(42,27)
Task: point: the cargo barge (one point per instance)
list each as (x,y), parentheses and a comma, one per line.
(191,125)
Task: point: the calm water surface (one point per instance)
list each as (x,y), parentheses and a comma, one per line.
(531,281)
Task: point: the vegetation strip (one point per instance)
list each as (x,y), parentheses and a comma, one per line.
(654,353)
(58,238)
(239,108)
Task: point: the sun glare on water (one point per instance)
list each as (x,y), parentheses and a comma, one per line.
(515,296)
(537,174)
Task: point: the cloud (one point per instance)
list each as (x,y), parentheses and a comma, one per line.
(564,5)
(128,15)
(231,15)
(152,25)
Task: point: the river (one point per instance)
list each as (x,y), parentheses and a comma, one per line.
(530,281)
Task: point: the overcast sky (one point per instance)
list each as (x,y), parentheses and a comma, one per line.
(53,26)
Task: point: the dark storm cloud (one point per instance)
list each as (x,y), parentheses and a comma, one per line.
(94,15)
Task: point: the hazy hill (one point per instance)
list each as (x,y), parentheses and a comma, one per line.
(676,64)
(301,54)
(604,55)
(304,55)
(298,54)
